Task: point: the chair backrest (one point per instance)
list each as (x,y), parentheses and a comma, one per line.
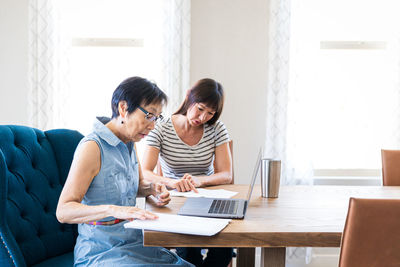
(371,235)
(391,167)
(33,168)
(159,169)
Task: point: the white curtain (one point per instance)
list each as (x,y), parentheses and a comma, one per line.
(48,66)
(176,51)
(280,120)
(281,101)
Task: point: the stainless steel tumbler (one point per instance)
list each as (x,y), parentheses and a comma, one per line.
(270,177)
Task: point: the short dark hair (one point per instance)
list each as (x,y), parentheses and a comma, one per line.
(207,91)
(136,91)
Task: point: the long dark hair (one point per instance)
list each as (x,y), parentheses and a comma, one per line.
(206,91)
(136,91)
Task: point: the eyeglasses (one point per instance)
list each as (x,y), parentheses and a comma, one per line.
(150,116)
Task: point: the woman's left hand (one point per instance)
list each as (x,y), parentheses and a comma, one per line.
(193,179)
(162,194)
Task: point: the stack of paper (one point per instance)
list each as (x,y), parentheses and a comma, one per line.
(181,224)
(217,193)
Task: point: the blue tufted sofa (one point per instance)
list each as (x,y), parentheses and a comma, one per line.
(33,168)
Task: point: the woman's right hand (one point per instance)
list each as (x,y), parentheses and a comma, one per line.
(182,185)
(132,213)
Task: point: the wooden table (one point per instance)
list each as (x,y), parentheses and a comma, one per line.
(302,216)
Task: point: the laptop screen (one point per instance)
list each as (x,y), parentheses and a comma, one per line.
(255,172)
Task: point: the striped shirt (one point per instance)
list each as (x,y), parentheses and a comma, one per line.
(177,158)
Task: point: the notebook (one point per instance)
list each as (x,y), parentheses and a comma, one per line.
(221,207)
(181,224)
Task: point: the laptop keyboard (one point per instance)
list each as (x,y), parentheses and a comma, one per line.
(223,206)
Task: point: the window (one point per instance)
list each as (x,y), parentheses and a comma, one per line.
(110,41)
(344,82)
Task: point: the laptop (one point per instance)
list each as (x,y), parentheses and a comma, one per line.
(221,207)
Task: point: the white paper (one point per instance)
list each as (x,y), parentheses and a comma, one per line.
(217,193)
(181,224)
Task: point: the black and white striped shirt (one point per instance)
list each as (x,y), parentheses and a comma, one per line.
(177,158)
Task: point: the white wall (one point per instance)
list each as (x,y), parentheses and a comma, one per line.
(14,61)
(229,44)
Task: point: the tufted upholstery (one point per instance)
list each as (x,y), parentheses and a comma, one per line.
(33,168)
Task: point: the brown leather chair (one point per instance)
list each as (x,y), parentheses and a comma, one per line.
(159,170)
(391,167)
(371,236)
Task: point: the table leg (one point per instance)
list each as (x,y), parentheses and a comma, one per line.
(245,257)
(273,257)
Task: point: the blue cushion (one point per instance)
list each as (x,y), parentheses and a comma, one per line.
(33,168)
(63,260)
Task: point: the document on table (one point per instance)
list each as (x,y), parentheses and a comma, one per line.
(217,193)
(181,224)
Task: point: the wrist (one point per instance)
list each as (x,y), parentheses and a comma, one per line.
(110,210)
(168,182)
(150,189)
(200,181)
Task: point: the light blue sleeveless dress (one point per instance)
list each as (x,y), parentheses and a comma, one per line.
(116,183)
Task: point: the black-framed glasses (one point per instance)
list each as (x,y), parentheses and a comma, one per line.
(150,116)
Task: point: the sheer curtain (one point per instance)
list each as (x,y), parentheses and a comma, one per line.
(280,120)
(176,51)
(56,90)
(48,82)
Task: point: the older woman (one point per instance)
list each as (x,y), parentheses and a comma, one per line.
(105,178)
(187,144)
